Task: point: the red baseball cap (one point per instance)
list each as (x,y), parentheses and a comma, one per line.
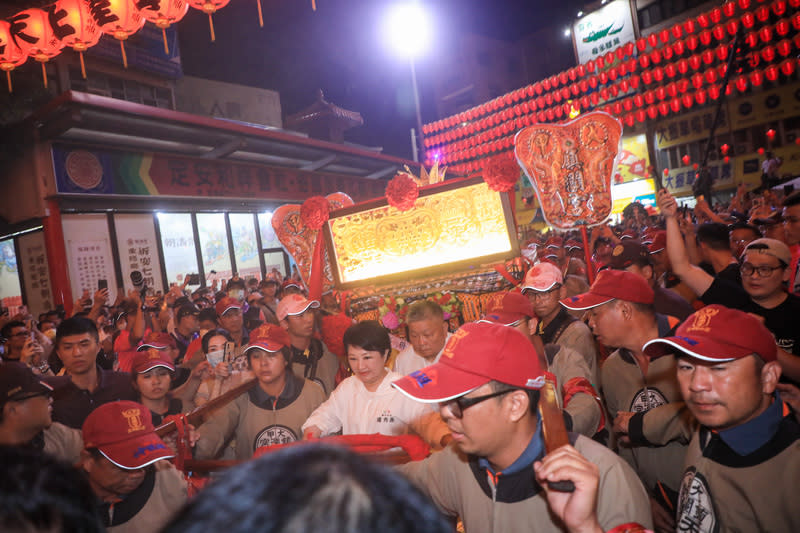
(717,333)
(477,353)
(291,283)
(294,304)
(145,361)
(659,242)
(554,242)
(512,308)
(123,432)
(272,333)
(612,285)
(226,304)
(159,340)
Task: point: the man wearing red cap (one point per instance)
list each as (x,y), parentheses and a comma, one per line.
(486,383)
(544,287)
(642,396)
(583,409)
(122,458)
(310,358)
(741,466)
(273,411)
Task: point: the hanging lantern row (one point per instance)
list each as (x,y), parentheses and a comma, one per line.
(42,33)
(499,123)
(657,75)
(700,30)
(638,108)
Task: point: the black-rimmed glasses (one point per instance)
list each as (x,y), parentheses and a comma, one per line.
(457,405)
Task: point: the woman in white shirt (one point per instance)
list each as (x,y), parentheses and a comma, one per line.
(366,402)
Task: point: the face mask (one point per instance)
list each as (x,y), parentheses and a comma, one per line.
(215,357)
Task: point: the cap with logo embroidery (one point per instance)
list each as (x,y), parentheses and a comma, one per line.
(718,334)
(629,252)
(145,361)
(160,340)
(18,382)
(773,247)
(123,432)
(512,308)
(612,285)
(477,353)
(542,277)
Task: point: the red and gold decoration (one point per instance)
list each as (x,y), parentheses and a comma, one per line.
(32,32)
(298,229)
(570,166)
(164,13)
(11,55)
(402,192)
(502,172)
(210,7)
(119,19)
(78,28)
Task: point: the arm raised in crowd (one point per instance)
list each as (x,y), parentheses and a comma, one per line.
(695,277)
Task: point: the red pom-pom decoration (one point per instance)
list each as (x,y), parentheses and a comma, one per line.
(402,192)
(315,212)
(501,172)
(333,328)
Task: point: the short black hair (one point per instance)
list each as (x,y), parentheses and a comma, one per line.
(6,331)
(792,200)
(745,225)
(40,493)
(209,313)
(310,487)
(714,235)
(533,394)
(369,335)
(76,325)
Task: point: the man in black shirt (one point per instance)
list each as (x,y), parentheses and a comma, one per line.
(764,270)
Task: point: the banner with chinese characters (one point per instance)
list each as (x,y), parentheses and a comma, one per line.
(603,30)
(89,254)
(765,106)
(680,180)
(138,250)
(35,272)
(102,171)
(688,127)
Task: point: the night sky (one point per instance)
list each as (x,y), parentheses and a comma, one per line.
(340,49)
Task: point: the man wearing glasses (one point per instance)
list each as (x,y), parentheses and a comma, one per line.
(765,270)
(544,287)
(487,385)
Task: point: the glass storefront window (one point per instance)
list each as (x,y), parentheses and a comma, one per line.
(10,290)
(214,246)
(274,262)
(268,237)
(245,245)
(177,241)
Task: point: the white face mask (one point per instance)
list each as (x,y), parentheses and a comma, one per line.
(215,357)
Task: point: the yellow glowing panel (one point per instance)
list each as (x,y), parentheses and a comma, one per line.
(442,228)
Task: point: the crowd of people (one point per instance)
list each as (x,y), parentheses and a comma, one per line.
(675,372)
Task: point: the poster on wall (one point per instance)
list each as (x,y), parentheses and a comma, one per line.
(138,250)
(245,245)
(89,255)
(603,30)
(177,241)
(10,291)
(214,246)
(35,272)
(633,159)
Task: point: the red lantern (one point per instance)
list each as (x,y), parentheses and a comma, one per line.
(703,20)
(751,39)
(768,54)
(770,134)
(718,32)
(748,20)
(638,100)
(617,106)
(644,60)
(628,49)
(683,85)
(711,76)
(652,39)
(788,67)
(647,77)
(705,37)
(671,70)
(765,34)
(573,74)
(697,80)
(679,47)
(661,93)
(658,74)
(762,13)
(565,93)
(692,42)
(627,104)
(563,78)
(209,7)
(32,32)
(782,27)
(663,108)
(700,97)
(761,151)
(574,89)
(168,12)
(714,92)
(624,86)
(583,86)
(732,26)
(667,53)
(663,36)
(784,47)
(708,57)
(722,52)
(604,93)
(741,84)
(677,31)
(756,78)
(715,15)
(590,65)
(613,73)
(728,9)
(666,172)
(726,159)
(609,57)
(744,4)
(629,120)
(614,90)
(695,62)
(796,21)
(655,56)
(640,115)
(779,7)
(537,88)
(11,55)
(641,44)
(603,78)
(76,24)
(118,18)
(683,66)
(672,89)
(650,97)
(686,159)
(634,81)
(594,98)
(695,166)
(689,26)
(584,102)
(652,112)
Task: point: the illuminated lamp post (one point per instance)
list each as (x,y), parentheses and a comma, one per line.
(408,30)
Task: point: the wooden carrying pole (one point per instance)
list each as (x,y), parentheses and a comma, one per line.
(553,429)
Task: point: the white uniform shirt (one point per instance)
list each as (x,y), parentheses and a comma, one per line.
(408,361)
(354,410)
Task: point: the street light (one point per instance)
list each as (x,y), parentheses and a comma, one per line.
(409,33)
